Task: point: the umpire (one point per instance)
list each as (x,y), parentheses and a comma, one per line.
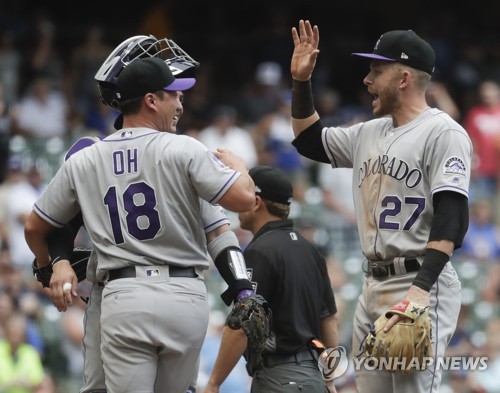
(291,274)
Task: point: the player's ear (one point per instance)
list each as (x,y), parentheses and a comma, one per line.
(150,98)
(405,76)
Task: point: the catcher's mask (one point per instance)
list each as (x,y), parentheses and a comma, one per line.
(138,47)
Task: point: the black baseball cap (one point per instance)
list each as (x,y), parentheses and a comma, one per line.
(405,47)
(148,75)
(272,184)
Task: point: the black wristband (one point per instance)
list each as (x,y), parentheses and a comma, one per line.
(432,266)
(57,259)
(231,293)
(302,99)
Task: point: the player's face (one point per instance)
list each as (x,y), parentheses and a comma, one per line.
(382,84)
(171,110)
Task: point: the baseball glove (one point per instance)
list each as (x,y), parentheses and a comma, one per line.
(79,260)
(406,345)
(253,315)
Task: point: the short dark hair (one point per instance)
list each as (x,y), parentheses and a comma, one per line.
(133,105)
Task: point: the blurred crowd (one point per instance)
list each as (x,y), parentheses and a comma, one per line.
(48,99)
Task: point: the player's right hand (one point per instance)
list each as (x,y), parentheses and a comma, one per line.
(63,273)
(305,52)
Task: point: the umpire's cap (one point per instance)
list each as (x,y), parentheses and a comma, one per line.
(272,184)
(148,75)
(405,47)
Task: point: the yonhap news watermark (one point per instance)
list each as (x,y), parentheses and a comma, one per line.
(451,363)
(334,362)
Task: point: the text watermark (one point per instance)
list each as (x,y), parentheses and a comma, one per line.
(333,362)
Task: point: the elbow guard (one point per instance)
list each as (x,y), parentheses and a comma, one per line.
(230,263)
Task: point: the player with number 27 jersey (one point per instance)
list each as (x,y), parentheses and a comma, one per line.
(392,192)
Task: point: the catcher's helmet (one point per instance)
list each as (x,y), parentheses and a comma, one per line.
(137,47)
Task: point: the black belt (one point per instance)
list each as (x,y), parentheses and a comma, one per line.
(174,271)
(271,359)
(384,269)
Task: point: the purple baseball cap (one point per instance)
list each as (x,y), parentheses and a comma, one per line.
(148,75)
(405,47)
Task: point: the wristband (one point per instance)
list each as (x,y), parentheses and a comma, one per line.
(431,268)
(245,293)
(302,99)
(59,259)
(230,294)
(55,260)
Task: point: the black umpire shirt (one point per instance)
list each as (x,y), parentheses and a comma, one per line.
(290,273)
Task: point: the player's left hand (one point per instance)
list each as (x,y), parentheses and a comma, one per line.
(253,315)
(63,273)
(414,294)
(407,344)
(230,159)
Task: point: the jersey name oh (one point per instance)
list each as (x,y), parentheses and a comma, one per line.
(125,161)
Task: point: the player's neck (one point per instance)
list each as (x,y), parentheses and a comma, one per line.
(406,115)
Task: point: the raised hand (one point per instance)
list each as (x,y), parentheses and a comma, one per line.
(305,52)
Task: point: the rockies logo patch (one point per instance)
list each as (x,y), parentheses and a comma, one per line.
(454,166)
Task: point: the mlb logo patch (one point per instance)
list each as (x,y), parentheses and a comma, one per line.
(152,272)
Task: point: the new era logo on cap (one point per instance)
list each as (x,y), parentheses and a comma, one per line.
(405,47)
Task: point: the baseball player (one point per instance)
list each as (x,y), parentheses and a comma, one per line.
(411,171)
(222,243)
(223,248)
(138,191)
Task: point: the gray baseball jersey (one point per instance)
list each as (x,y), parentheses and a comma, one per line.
(139,193)
(212,217)
(128,187)
(395,173)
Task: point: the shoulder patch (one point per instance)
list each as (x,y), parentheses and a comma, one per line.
(454,166)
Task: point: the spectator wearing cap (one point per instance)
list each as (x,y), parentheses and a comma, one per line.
(291,273)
